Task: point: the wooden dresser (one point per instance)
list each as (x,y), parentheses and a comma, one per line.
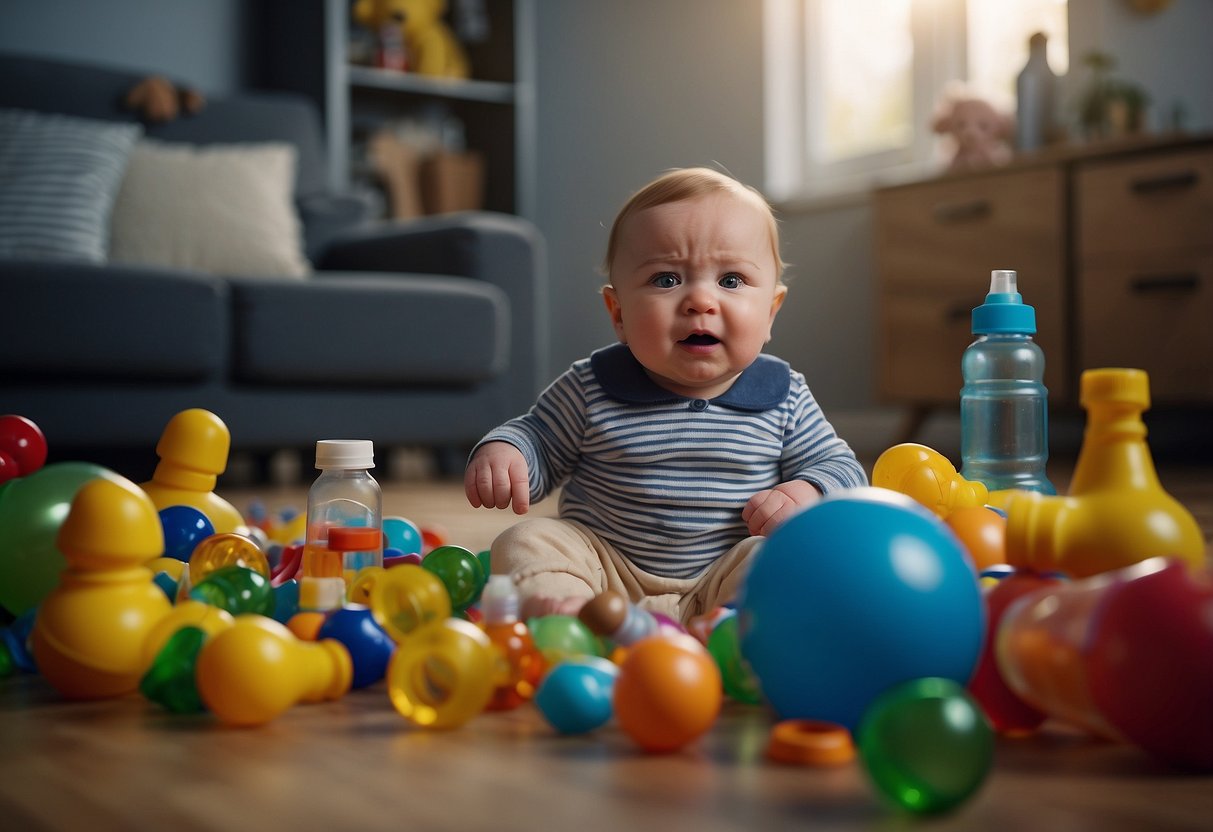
(1114,247)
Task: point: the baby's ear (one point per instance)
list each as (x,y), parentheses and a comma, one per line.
(611,298)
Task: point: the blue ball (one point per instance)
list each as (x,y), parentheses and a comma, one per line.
(184,528)
(370,647)
(402,534)
(861,591)
(575,696)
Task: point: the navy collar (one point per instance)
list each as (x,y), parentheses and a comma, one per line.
(763,385)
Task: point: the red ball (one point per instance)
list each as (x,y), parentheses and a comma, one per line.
(668,692)
(22,440)
(1006,711)
(1150,665)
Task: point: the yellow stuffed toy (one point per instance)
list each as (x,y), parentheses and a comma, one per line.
(430,45)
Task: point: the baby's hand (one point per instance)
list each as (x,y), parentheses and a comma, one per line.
(766,510)
(497,477)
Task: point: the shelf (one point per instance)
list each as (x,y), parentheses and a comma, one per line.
(452,88)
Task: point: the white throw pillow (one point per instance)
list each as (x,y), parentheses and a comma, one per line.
(225,209)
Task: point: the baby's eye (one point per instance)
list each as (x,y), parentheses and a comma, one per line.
(665,280)
(732,280)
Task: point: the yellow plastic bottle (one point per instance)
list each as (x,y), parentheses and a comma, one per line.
(928,477)
(1117,512)
(89,636)
(193,453)
(256,669)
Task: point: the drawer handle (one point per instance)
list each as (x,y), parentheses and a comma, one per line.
(974,209)
(1166,182)
(1150,283)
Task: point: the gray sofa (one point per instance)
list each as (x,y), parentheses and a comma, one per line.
(419,333)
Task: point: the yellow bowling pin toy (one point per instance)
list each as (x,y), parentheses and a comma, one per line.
(926,475)
(1117,512)
(89,635)
(193,453)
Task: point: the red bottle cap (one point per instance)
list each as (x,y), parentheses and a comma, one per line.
(353,539)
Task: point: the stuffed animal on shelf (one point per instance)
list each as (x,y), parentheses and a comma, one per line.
(430,46)
(157,99)
(979,132)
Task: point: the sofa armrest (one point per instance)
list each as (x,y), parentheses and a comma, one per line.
(502,249)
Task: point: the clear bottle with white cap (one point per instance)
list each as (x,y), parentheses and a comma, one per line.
(1004,419)
(344,496)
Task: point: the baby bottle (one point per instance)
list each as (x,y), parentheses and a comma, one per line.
(345,495)
(1004,427)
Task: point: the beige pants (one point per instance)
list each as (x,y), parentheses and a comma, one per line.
(565,559)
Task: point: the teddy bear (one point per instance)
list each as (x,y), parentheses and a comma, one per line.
(157,100)
(430,46)
(979,132)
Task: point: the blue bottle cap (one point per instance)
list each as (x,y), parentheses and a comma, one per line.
(1004,310)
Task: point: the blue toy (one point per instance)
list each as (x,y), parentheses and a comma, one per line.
(369,646)
(402,534)
(861,591)
(184,528)
(575,696)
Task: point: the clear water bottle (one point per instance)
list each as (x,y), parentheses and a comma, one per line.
(1004,421)
(1036,96)
(345,495)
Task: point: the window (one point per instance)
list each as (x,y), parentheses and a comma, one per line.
(851,84)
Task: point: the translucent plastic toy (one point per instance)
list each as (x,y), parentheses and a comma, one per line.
(222,550)
(1004,406)
(926,745)
(193,453)
(926,476)
(668,692)
(89,634)
(255,670)
(236,589)
(499,603)
(444,673)
(1117,512)
(405,597)
(1123,654)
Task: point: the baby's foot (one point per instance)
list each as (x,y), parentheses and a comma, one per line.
(538,606)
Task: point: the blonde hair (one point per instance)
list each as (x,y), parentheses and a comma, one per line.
(681,184)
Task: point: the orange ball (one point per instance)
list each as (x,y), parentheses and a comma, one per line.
(983,533)
(668,692)
(305,625)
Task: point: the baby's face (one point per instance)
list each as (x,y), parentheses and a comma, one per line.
(694,290)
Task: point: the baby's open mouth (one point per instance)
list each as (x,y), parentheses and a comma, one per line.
(700,340)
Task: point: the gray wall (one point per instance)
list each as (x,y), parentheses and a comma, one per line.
(199,41)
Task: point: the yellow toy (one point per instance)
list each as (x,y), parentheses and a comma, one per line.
(89,636)
(926,475)
(1117,513)
(256,669)
(430,45)
(193,453)
(444,673)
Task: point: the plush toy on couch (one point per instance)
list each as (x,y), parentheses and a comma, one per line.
(430,45)
(979,132)
(157,100)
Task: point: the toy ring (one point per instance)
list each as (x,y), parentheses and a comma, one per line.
(808,742)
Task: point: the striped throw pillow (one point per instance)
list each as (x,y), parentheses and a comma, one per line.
(59,176)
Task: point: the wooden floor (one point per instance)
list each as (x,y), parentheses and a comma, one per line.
(356,764)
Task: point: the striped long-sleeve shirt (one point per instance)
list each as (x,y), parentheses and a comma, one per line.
(663,477)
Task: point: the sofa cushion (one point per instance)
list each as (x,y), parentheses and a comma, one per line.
(347,329)
(75,321)
(223,209)
(58,178)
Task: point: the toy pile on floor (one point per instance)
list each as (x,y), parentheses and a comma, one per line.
(915,616)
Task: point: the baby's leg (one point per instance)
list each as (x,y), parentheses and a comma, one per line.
(721,582)
(556,564)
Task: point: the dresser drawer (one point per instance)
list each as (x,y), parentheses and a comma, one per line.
(1159,202)
(924,335)
(1153,312)
(946,233)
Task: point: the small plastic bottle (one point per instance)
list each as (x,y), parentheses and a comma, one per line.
(345,495)
(1004,421)
(500,603)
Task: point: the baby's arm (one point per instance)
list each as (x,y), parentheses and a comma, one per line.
(768,508)
(496,477)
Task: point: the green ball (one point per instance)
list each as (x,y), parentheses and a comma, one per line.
(460,572)
(32,509)
(724,644)
(561,637)
(238,590)
(926,744)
